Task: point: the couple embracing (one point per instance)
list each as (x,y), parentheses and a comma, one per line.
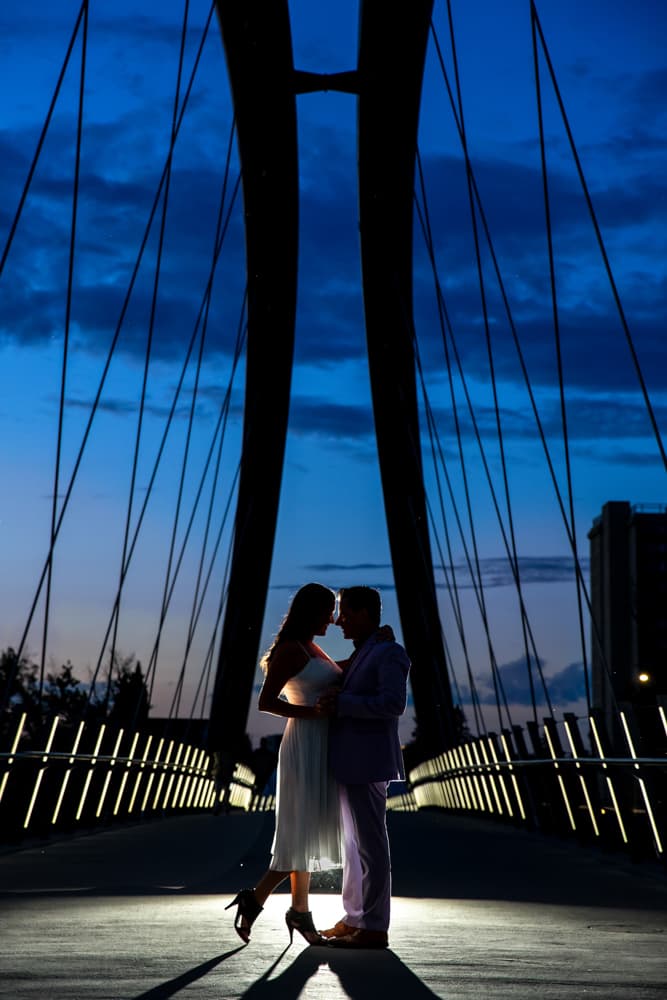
(339,751)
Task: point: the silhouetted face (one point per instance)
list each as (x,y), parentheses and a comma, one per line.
(324,621)
(356,625)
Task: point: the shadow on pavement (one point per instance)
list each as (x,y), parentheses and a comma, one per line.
(372,975)
(168,989)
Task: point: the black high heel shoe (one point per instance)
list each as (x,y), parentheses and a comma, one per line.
(248,910)
(303,923)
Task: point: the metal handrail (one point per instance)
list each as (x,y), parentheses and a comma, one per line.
(549,761)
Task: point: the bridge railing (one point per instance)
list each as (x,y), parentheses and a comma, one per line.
(78,777)
(90,774)
(618,801)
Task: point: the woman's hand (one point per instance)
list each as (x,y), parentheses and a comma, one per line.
(385,634)
(327,703)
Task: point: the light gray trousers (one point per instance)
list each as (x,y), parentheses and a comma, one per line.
(367,870)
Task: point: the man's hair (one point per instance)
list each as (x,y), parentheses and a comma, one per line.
(363,599)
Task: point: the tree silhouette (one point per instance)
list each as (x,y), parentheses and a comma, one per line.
(129,695)
(65,695)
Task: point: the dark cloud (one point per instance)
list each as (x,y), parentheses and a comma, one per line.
(495,572)
(532,569)
(120,407)
(622,457)
(565,687)
(210,400)
(599,420)
(127,407)
(646,99)
(595,351)
(334,584)
(568,685)
(347,567)
(338,421)
(34,298)
(121,167)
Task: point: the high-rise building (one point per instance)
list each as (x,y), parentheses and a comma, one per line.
(628,555)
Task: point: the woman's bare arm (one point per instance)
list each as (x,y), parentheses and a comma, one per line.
(288,660)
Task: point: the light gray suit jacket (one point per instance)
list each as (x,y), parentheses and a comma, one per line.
(363,736)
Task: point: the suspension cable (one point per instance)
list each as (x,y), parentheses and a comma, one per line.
(163,441)
(105,371)
(198,601)
(221,424)
(217,240)
(208,659)
(476,577)
(83,10)
(559,355)
(527,382)
(149,339)
(196,611)
(446,329)
(409,326)
(452,588)
(475,580)
(66,337)
(589,201)
(178,691)
(489,348)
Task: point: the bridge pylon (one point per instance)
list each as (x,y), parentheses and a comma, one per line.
(264,83)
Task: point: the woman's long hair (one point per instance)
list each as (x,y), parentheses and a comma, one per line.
(304,614)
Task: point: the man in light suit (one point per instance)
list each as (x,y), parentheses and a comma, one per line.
(365,755)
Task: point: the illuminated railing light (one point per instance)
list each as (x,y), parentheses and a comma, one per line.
(464,785)
(89,776)
(477,781)
(501,778)
(10,759)
(41,772)
(642,785)
(559,777)
(610,784)
(515,784)
(663,718)
(483,777)
(458,782)
(196,777)
(151,776)
(471,778)
(179,796)
(163,775)
(137,781)
(110,765)
(68,773)
(126,775)
(202,798)
(172,776)
(491,778)
(582,780)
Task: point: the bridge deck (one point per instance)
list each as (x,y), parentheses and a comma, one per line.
(480,911)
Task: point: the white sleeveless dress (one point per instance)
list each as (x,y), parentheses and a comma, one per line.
(307,834)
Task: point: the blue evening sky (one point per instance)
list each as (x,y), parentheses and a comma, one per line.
(609,57)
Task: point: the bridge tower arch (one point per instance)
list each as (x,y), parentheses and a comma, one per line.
(388,78)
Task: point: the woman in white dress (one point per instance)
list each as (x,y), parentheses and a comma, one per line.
(307,834)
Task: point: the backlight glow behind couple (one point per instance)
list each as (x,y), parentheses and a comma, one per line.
(339,751)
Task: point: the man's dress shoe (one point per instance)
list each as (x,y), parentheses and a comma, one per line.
(338,930)
(360,938)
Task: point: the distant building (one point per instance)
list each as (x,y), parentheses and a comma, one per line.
(628,555)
